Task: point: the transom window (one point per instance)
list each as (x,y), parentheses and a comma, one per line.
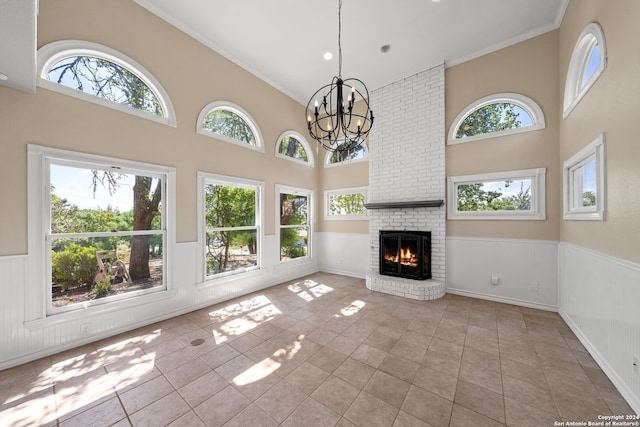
(345,203)
(496,115)
(105,76)
(584,190)
(105,228)
(588,61)
(501,195)
(231,224)
(292,146)
(346,154)
(230,123)
(294,222)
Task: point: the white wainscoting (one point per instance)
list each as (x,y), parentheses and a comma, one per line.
(20,343)
(521,267)
(600,301)
(343,253)
(13,276)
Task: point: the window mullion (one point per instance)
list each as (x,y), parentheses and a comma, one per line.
(104,234)
(240,228)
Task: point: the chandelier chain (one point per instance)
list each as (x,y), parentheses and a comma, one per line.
(339,38)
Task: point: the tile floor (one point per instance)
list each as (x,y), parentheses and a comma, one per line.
(321,351)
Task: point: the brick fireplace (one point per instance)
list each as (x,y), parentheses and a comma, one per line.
(407,177)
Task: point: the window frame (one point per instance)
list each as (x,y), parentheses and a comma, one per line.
(328,164)
(522,101)
(538,202)
(290,133)
(204,179)
(54,52)
(242,113)
(285,189)
(574,89)
(595,150)
(349,217)
(41,312)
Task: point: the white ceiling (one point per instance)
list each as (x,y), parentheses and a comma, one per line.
(283,41)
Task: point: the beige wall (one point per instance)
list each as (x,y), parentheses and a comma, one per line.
(337,177)
(528,68)
(193,76)
(612,106)
(347,175)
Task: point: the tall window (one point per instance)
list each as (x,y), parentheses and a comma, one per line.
(292,146)
(231,218)
(588,61)
(105,228)
(347,153)
(500,195)
(584,189)
(496,115)
(105,76)
(294,222)
(229,122)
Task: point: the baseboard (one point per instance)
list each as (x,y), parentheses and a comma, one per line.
(342,272)
(504,300)
(622,387)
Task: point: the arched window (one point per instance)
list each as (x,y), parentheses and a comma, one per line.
(292,146)
(346,154)
(230,123)
(104,76)
(588,61)
(496,115)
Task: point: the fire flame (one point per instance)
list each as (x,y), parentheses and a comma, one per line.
(406,257)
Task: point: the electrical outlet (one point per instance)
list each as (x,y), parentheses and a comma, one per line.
(636,364)
(494,280)
(85,328)
(535,287)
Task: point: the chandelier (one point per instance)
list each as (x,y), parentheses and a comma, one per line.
(335,121)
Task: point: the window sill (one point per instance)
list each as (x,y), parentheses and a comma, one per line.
(221,280)
(584,216)
(90,311)
(499,217)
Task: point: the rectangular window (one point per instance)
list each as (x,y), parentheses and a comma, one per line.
(104,227)
(511,195)
(583,176)
(231,225)
(346,203)
(294,222)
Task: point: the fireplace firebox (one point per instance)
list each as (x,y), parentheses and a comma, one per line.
(405,254)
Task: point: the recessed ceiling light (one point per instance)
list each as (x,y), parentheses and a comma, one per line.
(385,48)
(4,76)
(328,56)
(436,1)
